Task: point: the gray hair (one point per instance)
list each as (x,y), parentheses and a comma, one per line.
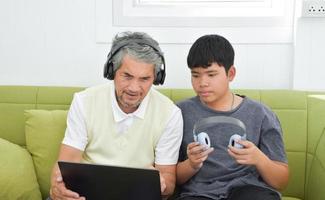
(141,52)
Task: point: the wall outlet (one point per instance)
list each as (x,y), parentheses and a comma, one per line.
(313,8)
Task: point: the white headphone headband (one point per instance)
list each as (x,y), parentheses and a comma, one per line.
(209,121)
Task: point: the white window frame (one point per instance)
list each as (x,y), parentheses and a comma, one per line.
(182,21)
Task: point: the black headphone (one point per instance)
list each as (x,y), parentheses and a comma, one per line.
(109,70)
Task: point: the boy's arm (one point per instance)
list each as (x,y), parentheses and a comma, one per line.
(274,173)
(185,171)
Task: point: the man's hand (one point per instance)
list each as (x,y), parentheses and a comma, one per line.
(58,190)
(162,183)
(162,180)
(197,154)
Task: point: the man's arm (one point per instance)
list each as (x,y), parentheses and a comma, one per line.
(58,189)
(167,150)
(167,177)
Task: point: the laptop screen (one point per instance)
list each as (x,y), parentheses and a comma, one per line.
(111,182)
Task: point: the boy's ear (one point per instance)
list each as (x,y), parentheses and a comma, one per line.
(231,73)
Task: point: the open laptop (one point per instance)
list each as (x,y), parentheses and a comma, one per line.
(97,182)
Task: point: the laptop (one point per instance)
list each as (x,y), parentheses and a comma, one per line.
(97,182)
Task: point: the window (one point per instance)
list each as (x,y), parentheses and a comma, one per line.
(263,21)
(126,11)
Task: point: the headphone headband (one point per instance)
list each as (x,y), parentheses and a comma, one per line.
(207,122)
(124,43)
(108,67)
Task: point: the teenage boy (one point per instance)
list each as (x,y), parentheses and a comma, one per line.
(258,170)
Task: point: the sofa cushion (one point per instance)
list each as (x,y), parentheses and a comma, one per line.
(17,175)
(44,131)
(289,198)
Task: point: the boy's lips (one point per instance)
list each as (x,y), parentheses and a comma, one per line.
(204,93)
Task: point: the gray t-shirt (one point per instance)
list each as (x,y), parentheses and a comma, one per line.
(220,172)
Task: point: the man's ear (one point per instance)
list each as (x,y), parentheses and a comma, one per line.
(231,73)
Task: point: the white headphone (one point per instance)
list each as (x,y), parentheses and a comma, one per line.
(203,137)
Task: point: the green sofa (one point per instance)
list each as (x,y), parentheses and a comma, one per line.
(32,124)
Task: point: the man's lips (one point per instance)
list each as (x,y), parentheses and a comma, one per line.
(131,95)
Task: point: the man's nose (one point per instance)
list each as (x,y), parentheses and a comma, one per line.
(134,86)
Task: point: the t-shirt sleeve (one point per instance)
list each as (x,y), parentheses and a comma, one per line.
(76,132)
(271,142)
(167,149)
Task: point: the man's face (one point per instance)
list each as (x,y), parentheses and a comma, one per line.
(211,84)
(132,82)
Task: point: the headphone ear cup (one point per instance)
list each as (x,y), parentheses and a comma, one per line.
(157,80)
(105,70)
(110,71)
(203,139)
(234,138)
(108,67)
(160,78)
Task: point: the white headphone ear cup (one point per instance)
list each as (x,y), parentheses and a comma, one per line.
(233,139)
(203,139)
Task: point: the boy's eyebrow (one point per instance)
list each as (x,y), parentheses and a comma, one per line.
(212,70)
(208,71)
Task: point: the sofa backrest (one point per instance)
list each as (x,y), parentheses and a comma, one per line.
(15,99)
(291,108)
(295,110)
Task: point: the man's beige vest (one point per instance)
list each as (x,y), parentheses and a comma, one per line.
(133,148)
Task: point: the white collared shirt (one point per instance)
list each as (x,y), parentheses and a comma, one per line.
(125,120)
(167,149)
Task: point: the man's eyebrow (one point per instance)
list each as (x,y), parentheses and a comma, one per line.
(127,74)
(145,77)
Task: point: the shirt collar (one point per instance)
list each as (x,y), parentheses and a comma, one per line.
(119,115)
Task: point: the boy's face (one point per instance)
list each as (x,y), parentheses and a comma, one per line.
(211,84)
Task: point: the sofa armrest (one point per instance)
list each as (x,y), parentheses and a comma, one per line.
(315,172)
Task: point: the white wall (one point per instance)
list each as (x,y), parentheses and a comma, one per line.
(44,42)
(309,56)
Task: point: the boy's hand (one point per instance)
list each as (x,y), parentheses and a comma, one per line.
(249,155)
(197,154)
